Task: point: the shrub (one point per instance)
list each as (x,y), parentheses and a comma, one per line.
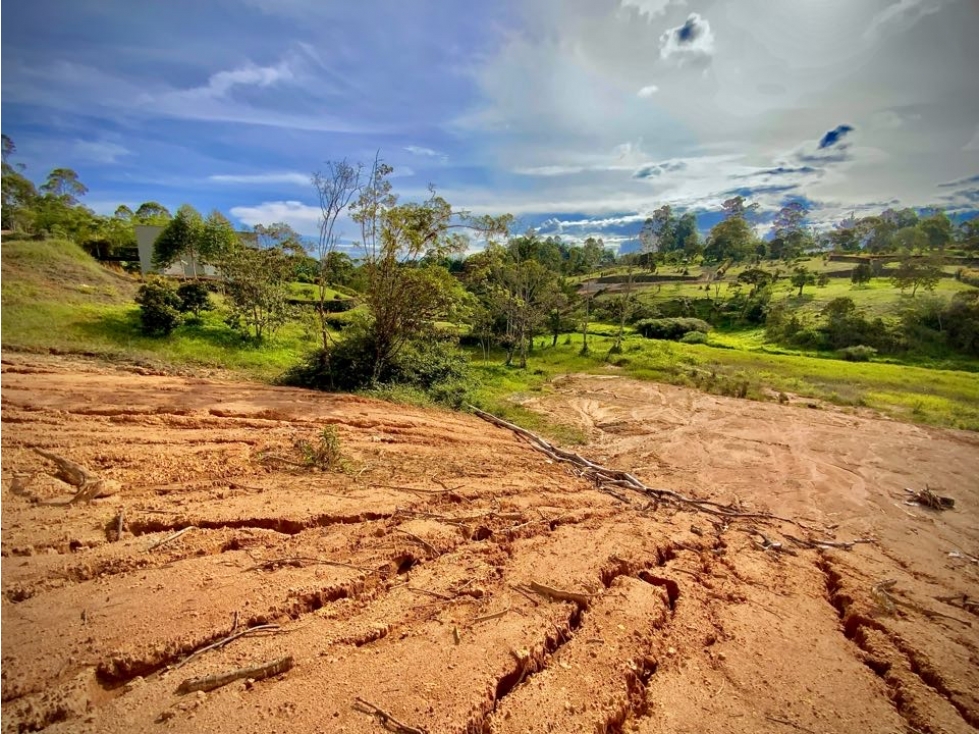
(194,298)
(326,454)
(671,328)
(694,337)
(859,353)
(159,308)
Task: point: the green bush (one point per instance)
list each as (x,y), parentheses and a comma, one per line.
(859,353)
(159,308)
(694,337)
(194,298)
(672,328)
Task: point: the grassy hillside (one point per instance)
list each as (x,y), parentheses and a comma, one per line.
(57,298)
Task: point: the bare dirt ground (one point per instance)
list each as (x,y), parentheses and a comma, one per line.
(393,582)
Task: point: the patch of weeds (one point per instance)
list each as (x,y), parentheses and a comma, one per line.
(325,454)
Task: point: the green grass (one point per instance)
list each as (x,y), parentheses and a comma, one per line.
(57,298)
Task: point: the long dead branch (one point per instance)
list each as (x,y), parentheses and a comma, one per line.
(606,478)
(259,672)
(424,542)
(226,640)
(300,561)
(560,594)
(171,538)
(386,720)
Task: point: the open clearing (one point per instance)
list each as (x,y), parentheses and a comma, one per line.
(686,623)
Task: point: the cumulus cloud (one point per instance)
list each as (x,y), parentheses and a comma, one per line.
(301,217)
(693,41)
(648,91)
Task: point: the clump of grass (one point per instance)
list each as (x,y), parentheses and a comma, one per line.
(325,454)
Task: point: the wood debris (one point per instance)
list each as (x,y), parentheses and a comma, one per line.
(230,638)
(259,672)
(171,538)
(384,718)
(88,484)
(926,498)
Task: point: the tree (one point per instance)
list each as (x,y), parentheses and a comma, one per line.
(591,252)
(914,272)
(731,238)
(687,236)
(789,230)
(658,234)
(801,277)
(152,212)
(19,195)
(277,234)
(63,183)
(909,239)
(937,229)
(862,273)
(756,277)
(738,208)
(335,187)
(179,239)
(256,283)
(216,238)
(404,292)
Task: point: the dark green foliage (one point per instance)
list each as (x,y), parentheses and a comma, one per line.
(858,353)
(670,328)
(862,273)
(159,308)
(431,366)
(194,298)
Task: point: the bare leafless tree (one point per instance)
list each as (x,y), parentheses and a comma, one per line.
(336,186)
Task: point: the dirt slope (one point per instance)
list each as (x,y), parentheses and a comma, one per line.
(394,582)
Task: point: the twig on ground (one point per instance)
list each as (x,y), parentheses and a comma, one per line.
(790,723)
(417,490)
(424,542)
(300,561)
(524,592)
(384,718)
(560,594)
(436,594)
(210,682)
(495,615)
(827,544)
(230,638)
(170,538)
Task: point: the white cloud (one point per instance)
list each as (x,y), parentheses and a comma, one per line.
(651,8)
(900,16)
(648,91)
(99,151)
(424,152)
(301,217)
(691,41)
(291,178)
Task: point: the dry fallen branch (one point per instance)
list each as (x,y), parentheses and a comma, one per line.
(827,544)
(926,498)
(170,538)
(259,672)
(436,594)
(384,718)
(226,640)
(494,615)
(559,594)
(300,561)
(424,542)
(606,478)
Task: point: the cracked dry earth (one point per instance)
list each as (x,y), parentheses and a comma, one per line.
(394,580)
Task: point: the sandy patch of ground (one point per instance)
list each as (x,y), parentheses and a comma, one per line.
(393,581)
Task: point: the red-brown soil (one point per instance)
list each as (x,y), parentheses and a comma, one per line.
(690,625)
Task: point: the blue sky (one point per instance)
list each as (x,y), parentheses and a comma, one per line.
(580,117)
